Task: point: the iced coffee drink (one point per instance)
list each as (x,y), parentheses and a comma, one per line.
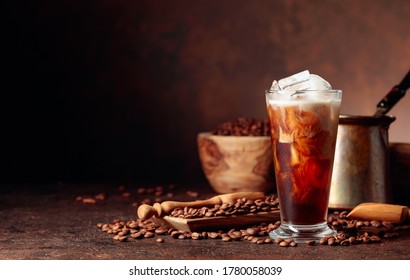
(304,123)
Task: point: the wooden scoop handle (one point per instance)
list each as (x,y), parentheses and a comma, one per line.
(158,210)
(380,211)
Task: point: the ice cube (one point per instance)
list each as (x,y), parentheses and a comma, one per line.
(294,80)
(317,82)
(274,86)
(300,81)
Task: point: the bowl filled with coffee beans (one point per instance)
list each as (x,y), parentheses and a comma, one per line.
(237,156)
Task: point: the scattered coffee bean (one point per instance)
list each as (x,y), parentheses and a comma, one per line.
(100,196)
(123,238)
(278,240)
(159,240)
(213,235)
(89,200)
(268,240)
(350,231)
(376,223)
(254,239)
(161,231)
(192,194)
(375,238)
(345,242)
(196,235)
(310,242)
(251,231)
(226,239)
(323,241)
(284,244)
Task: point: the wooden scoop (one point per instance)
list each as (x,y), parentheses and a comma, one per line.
(381,212)
(217,223)
(145,211)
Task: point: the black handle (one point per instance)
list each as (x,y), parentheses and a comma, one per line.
(394,95)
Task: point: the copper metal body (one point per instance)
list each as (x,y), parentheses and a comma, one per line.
(361,165)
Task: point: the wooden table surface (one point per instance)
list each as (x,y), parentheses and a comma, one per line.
(46,222)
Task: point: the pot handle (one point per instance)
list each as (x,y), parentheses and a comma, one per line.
(395,94)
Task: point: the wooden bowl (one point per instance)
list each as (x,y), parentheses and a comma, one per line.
(237,163)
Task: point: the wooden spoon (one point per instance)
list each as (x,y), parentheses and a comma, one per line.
(380,211)
(158,210)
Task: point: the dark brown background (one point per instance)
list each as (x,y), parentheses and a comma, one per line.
(116,91)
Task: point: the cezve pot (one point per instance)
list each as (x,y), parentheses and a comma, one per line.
(361,166)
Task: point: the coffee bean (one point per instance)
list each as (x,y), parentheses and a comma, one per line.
(226,239)
(140,190)
(251,231)
(284,244)
(236,235)
(137,235)
(192,194)
(323,241)
(149,234)
(175,234)
(123,238)
(213,235)
(293,244)
(345,242)
(310,242)
(159,240)
(220,213)
(161,231)
(243,127)
(254,239)
(375,238)
(196,235)
(376,223)
(89,200)
(149,190)
(278,240)
(268,240)
(331,241)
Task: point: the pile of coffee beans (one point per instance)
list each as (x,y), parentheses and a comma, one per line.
(242,206)
(243,127)
(137,229)
(349,231)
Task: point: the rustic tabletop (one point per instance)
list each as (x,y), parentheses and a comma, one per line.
(59,222)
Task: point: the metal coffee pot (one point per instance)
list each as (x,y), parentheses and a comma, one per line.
(361,166)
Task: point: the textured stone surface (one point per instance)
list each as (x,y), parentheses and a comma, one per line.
(48,224)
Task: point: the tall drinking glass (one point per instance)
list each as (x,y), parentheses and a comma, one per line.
(303,129)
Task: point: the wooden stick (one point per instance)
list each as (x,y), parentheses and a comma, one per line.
(158,210)
(380,211)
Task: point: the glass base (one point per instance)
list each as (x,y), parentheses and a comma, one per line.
(302,232)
